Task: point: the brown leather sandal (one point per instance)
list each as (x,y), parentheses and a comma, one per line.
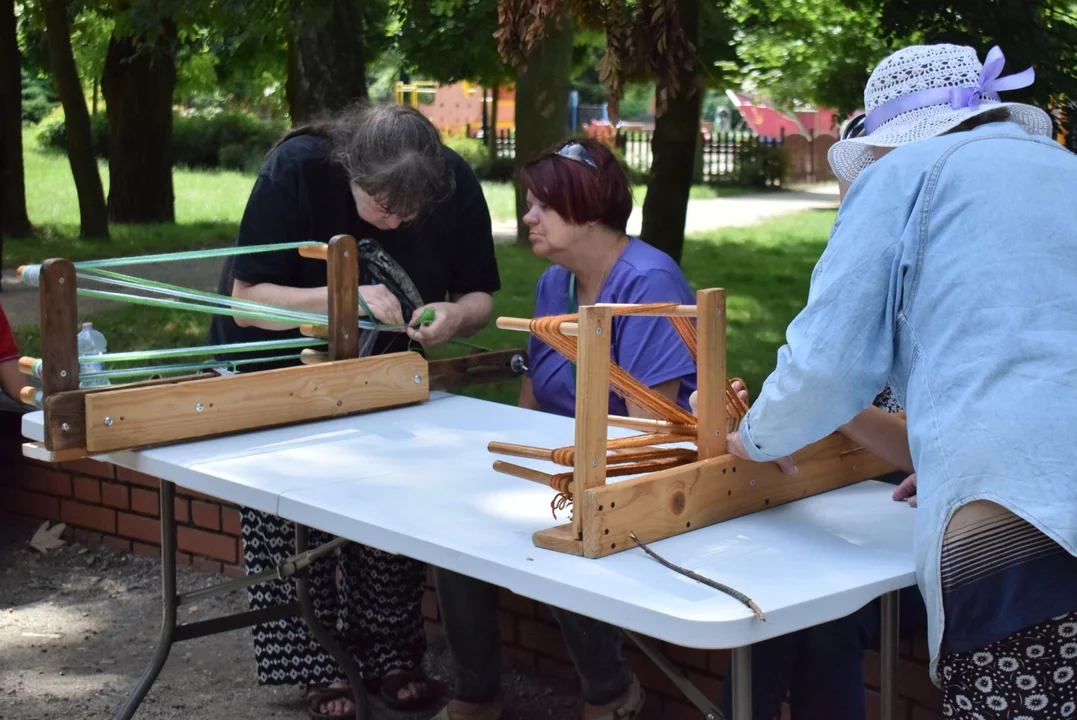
(394,682)
(319,694)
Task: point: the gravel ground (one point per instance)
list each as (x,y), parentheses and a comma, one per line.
(78,625)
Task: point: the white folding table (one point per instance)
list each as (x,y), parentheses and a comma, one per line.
(418,481)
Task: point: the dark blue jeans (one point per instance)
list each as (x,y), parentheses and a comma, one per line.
(469,616)
(820,668)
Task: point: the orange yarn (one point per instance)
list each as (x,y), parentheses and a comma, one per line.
(548,329)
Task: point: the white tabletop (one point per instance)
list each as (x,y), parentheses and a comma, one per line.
(418,481)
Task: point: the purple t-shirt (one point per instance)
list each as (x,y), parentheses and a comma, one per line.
(647,348)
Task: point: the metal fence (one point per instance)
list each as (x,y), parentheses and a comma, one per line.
(735,158)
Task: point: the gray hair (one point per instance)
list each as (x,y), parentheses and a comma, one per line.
(391,151)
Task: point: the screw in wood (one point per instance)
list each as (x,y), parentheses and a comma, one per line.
(63,373)
(199,407)
(108,422)
(418,379)
(65,427)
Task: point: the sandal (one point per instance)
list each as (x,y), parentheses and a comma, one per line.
(397,680)
(319,694)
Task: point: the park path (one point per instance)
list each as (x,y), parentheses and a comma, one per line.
(20,301)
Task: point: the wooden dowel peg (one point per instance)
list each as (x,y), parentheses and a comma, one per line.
(678,311)
(524,451)
(30,396)
(26,365)
(310,356)
(652,426)
(523,473)
(568,329)
(315,252)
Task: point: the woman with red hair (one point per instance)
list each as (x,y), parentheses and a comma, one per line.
(580,202)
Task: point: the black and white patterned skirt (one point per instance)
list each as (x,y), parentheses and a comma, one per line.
(1030,675)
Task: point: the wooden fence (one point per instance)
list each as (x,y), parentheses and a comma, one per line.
(723,158)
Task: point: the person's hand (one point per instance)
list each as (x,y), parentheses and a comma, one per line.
(738,387)
(382,303)
(734,444)
(907,490)
(446,322)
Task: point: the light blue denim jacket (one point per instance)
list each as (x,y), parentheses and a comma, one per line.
(951,273)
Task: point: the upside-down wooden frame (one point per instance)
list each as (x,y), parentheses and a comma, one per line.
(154,412)
(718,486)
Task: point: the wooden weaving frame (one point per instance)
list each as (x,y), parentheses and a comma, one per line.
(695,493)
(83,422)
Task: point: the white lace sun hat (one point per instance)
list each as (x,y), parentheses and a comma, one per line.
(923,91)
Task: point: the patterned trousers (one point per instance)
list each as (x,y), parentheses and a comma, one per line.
(1026,676)
(369,600)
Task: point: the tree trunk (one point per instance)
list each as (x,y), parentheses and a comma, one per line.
(93,213)
(541,105)
(326,65)
(673,149)
(13,218)
(137,84)
(491,139)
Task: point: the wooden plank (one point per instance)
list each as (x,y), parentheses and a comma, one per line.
(711,374)
(560,539)
(58,306)
(343,287)
(140,417)
(67,410)
(476,368)
(592,402)
(37,451)
(679,500)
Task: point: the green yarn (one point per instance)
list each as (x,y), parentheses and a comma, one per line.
(427,317)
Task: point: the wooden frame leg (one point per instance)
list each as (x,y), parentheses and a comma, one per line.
(592,404)
(711,374)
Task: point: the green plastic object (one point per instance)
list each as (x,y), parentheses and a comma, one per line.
(427,317)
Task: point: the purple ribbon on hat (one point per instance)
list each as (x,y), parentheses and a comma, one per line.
(989,86)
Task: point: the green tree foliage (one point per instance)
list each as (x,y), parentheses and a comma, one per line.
(1037,33)
(451,40)
(806,51)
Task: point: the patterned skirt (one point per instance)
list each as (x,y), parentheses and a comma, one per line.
(1029,675)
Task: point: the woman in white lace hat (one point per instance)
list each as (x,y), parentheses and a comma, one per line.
(951,276)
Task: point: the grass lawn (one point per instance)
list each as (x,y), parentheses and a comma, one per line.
(765,270)
(209,206)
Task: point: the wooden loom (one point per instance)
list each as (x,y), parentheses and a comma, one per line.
(677,489)
(82,422)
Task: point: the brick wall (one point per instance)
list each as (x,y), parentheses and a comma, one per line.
(117,507)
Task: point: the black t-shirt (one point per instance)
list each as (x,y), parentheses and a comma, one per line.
(300,195)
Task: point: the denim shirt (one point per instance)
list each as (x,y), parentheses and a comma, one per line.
(951,274)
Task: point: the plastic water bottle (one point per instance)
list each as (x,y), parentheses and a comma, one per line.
(91,342)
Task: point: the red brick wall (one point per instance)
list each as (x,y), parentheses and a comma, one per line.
(104,504)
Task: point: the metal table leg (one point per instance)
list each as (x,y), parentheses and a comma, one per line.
(324,638)
(740,669)
(888,656)
(168,597)
(691,692)
(172,633)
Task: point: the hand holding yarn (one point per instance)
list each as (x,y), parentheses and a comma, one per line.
(434,324)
